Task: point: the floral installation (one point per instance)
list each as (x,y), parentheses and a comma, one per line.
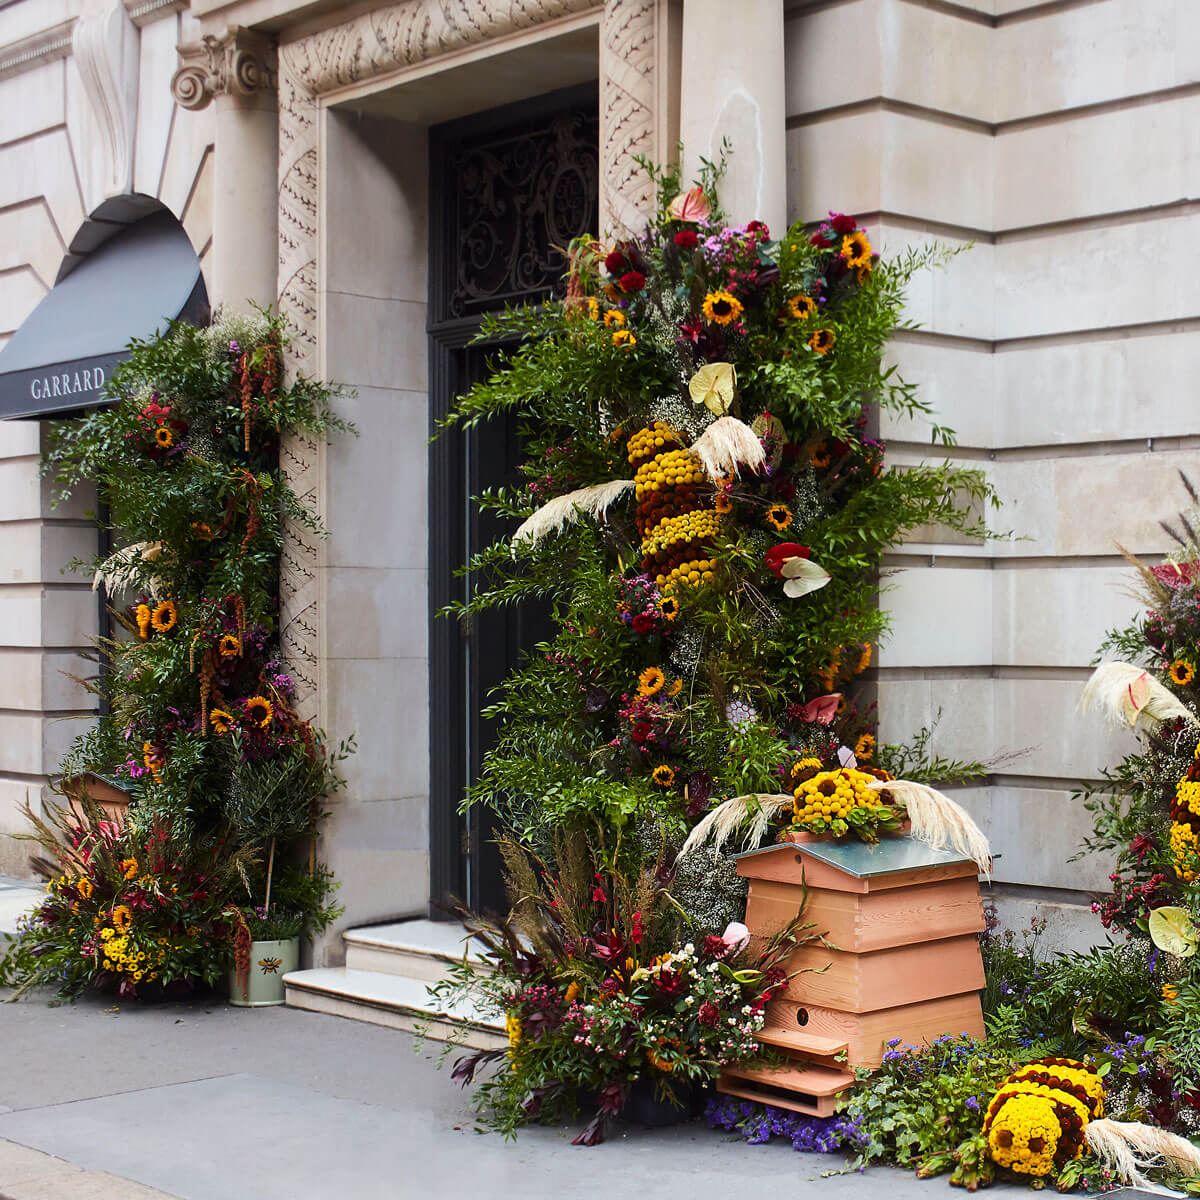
(200,726)
(705,507)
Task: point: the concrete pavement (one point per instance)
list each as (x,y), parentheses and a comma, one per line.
(202,1101)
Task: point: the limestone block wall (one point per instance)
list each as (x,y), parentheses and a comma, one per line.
(1059,139)
(53,165)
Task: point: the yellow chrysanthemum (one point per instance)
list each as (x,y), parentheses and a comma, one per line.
(221,720)
(856,250)
(802,307)
(1182,672)
(778,516)
(822,341)
(721,308)
(165,616)
(1185,851)
(623,339)
(260,709)
(512,1026)
(651,681)
(663,775)
(107,933)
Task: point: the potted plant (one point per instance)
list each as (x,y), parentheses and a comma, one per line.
(266,948)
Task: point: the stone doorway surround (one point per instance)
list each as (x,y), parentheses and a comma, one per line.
(355,100)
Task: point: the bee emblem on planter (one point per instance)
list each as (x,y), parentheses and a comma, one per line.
(270,966)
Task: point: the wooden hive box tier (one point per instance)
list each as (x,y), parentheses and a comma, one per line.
(903,922)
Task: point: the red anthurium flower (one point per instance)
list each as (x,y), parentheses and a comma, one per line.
(778,555)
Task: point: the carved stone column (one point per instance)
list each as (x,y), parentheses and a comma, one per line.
(733,87)
(236,73)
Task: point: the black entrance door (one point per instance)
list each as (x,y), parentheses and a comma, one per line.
(507,189)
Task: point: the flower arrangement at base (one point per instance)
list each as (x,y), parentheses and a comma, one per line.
(606,990)
(125,912)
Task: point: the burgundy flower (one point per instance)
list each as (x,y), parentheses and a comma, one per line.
(642,731)
(709,1014)
(1141,845)
(715,947)
(686,239)
(616,262)
(778,554)
(638,931)
(822,239)
(599,896)
(759,227)
(631,281)
(671,983)
(643,623)
(842,223)
(608,947)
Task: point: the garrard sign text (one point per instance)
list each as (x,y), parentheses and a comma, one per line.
(79,382)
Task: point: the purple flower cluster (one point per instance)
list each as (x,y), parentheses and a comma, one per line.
(759,1123)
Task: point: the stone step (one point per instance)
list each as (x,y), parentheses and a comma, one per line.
(392,1000)
(809,1090)
(415,949)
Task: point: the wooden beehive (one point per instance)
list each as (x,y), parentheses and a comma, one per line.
(903,919)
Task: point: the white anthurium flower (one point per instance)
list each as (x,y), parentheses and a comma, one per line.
(802,575)
(736,937)
(713,386)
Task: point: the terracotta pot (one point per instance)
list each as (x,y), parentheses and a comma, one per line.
(111,799)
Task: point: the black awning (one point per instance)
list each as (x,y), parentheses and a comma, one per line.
(63,355)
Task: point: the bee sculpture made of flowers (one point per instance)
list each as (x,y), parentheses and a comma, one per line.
(1046,1113)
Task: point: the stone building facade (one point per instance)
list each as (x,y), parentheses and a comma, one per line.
(290,138)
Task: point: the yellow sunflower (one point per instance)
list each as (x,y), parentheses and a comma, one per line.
(862,273)
(856,250)
(143,621)
(623,339)
(165,616)
(260,704)
(778,516)
(864,747)
(616,317)
(864,659)
(85,889)
(572,992)
(129,868)
(230,646)
(1182,672)
(668,606)
(164,438)
(1170,993)
(122,918)
(221,720)
(202,531)
(721,308)
(805,769)
(723,504)
(650,682)
(820,457)
(822,341)
(152,757)
(675,688)
(663,775)
(802,307)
